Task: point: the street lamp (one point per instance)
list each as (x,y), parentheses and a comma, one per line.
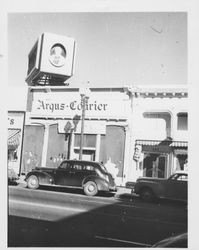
(84,93)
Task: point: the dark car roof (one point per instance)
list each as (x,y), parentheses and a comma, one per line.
(82,161)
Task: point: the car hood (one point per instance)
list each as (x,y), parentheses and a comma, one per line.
(150,179)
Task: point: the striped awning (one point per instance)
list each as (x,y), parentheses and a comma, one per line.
(169,143)
(179,144)
(13,137)
(180,151)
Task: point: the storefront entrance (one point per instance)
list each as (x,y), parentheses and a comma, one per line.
(154,165)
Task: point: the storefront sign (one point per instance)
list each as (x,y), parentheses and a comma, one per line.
(15,140)
(15,120)
(157,149)
(70,105)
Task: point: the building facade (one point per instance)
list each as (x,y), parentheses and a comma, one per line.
(159,131)
(134,131)
(53,127)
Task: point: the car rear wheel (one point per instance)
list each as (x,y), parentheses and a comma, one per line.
(33,182)
(90,188)
(146,194)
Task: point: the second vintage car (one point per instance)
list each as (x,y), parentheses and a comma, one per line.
(90,176)
(175,187)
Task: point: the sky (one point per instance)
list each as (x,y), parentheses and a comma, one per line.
(113,49)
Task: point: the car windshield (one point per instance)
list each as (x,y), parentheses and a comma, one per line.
(179,177)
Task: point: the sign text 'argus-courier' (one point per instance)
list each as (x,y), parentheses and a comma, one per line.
(74,105)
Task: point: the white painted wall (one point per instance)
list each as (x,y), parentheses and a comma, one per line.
(154,129)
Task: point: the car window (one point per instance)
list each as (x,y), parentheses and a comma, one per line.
(89,167)
(65,165)
(77,167)
(173,177)
(182,178)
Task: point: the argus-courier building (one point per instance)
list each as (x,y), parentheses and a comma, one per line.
(53,127)
(139,131)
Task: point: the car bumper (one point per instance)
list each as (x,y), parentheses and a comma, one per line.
(131,185)
(113,189)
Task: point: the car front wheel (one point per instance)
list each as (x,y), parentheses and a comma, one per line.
(146,194)
(33,182)
(90,188)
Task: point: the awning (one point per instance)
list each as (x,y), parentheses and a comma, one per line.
(180,151)
(180,144)
(169,143)
(13,137)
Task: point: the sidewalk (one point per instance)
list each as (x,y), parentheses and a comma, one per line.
(123,190)
(124,193)
(21,182)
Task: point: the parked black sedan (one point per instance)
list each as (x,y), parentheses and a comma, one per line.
(174,187)
(88,175)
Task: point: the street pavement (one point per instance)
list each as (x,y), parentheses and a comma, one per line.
(50,217)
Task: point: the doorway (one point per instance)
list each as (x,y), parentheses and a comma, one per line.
(154,165)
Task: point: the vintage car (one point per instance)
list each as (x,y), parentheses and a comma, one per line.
(90,176)
(177,241)
(175,187)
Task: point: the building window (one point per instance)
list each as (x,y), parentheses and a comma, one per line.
(89,147)
(112,149)
(181,162)
(182,121)
(89,141)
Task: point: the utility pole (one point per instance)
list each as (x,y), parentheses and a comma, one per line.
(84,93)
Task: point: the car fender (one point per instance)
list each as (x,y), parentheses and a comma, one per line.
(102,184)
(43,177)
(154,186)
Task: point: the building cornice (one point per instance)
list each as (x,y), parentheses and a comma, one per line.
(133,90)
(158,91)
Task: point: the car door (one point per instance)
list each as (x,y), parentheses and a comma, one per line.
(181,187)
(177,187)
(64,174)
(77,174)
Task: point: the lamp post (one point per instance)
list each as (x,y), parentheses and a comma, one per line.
(84,93)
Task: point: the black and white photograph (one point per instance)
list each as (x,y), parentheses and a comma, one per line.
(97,128)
